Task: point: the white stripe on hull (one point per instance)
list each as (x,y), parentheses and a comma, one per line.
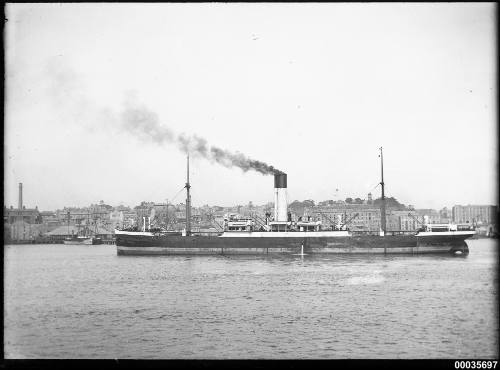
(285,234)
(257,234)
(142,233)
(444,233)
(299,234)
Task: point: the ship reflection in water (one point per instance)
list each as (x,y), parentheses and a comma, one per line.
(90,303)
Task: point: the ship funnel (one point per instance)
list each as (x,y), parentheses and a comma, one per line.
(280,201)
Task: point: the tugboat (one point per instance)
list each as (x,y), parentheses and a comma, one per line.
(281,235)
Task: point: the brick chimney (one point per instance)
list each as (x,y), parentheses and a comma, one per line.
(20,205)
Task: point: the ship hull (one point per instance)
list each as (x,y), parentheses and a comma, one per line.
(129,244)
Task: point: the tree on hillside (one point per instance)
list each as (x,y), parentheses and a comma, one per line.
(308,203)
(348,200)
(390,202)
(358,201)
(296,207)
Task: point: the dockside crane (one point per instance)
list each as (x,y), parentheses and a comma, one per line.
(218,225)
(416,219)
(332,222)
(211,219)
(345,216)
(259,222)
(351,219)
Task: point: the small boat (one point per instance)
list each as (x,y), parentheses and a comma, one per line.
(84,235)
(82,240)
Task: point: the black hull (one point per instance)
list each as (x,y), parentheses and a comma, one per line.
(129,244)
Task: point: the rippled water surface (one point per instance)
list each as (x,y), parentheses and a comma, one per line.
(66,301)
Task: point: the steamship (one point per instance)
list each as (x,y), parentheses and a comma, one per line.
(281,235)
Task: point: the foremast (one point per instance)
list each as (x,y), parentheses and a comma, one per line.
(382,206)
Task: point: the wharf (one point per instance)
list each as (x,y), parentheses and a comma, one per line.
(50,241)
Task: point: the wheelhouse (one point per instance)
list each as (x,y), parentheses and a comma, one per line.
(235,223)
(309,225)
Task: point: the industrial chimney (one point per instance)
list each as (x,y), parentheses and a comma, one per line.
(20,205)
(280,205)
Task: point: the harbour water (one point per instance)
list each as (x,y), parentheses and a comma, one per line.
(65,301)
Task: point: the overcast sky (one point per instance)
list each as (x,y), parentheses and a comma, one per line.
(311,89)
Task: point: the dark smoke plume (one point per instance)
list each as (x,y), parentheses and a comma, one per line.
(145,124)
(67,91)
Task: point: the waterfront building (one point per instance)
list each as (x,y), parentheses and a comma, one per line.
(433,215)
(406,220)
(163,214)
(62,232)
(393,222)
(129,218)
(365,216)
(21,223)
(247,210)
(12,215)
(28,215)
(49,217)
(116,219)
(72,215)
(121,207)
(195,215)
(100,211)
(325,203)
(445,215)
(475,214)
(50,220)
(360,217)
(143,210)
(180,213)
(21,231)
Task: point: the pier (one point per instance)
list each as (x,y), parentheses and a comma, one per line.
(50,241)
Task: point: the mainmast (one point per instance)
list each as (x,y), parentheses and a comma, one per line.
(382,207)
(68,215)
(166,223)
(188,202)
(87,229)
